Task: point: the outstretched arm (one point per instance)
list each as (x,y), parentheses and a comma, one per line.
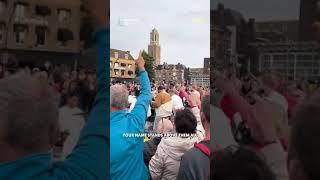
(90,157)
(141,107)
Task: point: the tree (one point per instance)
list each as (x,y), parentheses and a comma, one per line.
(149,64)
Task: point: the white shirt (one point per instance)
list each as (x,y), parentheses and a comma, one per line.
(197,93)
(176,102)
(70,120)
(278,99)
(132,101)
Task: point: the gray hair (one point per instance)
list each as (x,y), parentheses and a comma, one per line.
(119,96)
(29,115)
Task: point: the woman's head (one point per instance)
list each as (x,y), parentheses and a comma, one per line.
(185,122)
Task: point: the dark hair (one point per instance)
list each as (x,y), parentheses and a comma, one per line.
(160,88)
(205,106)
(57,78)
(185,121)
(239,163)
(305,128)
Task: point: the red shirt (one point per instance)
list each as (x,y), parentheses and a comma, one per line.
(226,106)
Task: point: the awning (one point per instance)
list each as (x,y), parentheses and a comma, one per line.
(65,35)
(42,10)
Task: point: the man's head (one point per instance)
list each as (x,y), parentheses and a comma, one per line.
(29,116)
(185,121)
(304,157)
(205,113)
(160,89)
(172,91)
(73,101)
(239,163)
(270,81)
(118,97)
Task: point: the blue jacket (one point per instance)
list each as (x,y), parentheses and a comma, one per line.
(89,160)
(126,153)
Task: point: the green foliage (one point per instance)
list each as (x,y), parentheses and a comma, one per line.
(149,64)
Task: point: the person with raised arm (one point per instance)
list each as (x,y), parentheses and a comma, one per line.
(126,155)
(29,122)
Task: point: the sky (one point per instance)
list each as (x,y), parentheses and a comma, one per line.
(183,26)
(263,10)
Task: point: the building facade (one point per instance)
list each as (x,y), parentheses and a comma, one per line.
(197,76)
(309,13)
(170,73)
(297,60)
(154,49)
(232,34)
(206,65)
(32,30)
(122,66)
(277,31)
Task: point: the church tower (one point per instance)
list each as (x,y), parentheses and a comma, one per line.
(154,49)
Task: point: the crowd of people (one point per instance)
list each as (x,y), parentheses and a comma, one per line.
(43,110)
(262,125)
(74,92)
(179,118)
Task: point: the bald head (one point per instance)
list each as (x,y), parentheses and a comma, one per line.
(29,116)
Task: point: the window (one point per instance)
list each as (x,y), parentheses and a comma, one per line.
(41,36)
(64,15)
(123,65)
(42,10)
(122,72)
(3,5)
(64,35)
(116,65)
(116,55)
(20,33)
(2,32)
(130,73)
(20,10)
(116,72)
(129,66)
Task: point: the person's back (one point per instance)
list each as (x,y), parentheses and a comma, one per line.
(195,164)
(126,155)
(71,121)
(177,103)
(150,147)
(166,161)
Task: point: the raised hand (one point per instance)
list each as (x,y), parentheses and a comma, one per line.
(140,62)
